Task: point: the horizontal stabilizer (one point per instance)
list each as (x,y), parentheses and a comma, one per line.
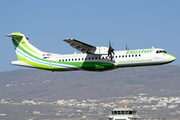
(14,36)
(20,63)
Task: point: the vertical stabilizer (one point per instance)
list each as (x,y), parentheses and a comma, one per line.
(22,47)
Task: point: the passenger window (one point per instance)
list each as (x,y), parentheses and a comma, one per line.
(72,59)
(63,60)
(129,55)
(92,58)
(130,112)
(69,60)
(75,59)
(112,112)
(136,55)
(122,56)
(59,60)
(82,58)
(126,112)
(115,112)
(126,55)
(119,56)
(132,55)
(99,57)
(139,55)
(122,112)
(89,58)
(96,58)
(66,59)
(79,59)
(102,57)
(116,56)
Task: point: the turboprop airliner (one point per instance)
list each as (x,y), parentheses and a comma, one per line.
(91,59)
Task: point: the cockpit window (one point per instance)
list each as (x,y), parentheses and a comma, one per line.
(161,51)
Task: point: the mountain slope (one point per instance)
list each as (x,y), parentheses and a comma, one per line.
(38,84)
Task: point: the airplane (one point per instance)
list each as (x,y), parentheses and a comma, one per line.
(91,59)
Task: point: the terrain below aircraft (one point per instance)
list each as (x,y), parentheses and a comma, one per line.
(91,59)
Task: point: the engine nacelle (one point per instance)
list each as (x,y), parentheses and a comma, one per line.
(101,50)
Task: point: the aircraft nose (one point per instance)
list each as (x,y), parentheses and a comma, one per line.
(172,58)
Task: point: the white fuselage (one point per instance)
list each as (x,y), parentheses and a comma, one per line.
(140,57)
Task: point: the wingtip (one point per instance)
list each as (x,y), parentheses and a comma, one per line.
(68,39)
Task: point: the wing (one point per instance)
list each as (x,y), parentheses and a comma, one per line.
(83,47)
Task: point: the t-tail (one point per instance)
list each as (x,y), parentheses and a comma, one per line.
(26,53)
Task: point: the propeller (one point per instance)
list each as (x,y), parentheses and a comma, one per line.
(110,50)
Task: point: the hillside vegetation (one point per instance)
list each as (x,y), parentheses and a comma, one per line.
(46,85)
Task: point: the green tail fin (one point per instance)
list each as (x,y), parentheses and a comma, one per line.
(22,46)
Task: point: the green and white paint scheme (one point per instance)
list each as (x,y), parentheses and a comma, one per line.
(91,59)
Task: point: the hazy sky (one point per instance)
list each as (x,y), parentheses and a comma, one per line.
(137,23)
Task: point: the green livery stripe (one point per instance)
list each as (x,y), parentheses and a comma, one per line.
(167,54)
(19,47)
(44,67)
(33,63)
(22,42)
(32,56)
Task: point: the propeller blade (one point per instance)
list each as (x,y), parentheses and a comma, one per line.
(109,44)
(110,50)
